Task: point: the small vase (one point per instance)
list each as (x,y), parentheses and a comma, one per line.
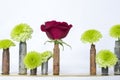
(5,62)
(92,60)
(56,59)
(117,52)
(22,54)
(44,68)
(104,71)
(33,71)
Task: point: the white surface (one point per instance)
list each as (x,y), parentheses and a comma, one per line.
(82,14)
(59,78)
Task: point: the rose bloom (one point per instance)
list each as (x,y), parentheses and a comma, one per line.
(56,30)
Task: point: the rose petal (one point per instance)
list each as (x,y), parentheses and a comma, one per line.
(55,33)
(43,28)
(50,24)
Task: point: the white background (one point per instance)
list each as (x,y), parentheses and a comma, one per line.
(82,14)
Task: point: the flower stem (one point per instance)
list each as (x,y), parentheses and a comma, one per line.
(5,61)
(56,59)
(92,60)
(118,39)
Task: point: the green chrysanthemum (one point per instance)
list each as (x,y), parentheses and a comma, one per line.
(46,55)
(21,32)
(91,36)
(115,31)
(106,58)
(6,43)
(32,60)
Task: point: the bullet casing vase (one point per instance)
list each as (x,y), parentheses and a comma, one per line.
(22,54)
(117,52)
(5,62)
(33,71)
(56,59)
(104,71)
(92,60)
(44,68)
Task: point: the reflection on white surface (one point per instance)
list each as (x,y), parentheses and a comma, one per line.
(59,78)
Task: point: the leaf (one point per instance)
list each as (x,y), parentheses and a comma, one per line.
(59,42)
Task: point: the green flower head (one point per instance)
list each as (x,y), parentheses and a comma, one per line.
(91,36)
(21,32)
(6,43)
(115,31)
(32,60)
(46,56)
(106,58)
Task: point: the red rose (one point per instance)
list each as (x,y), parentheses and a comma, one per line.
(56,30)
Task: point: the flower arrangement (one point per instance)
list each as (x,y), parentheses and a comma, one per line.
(46,55)
(55,31)
(21,33)
(105,58)
(35,59)
(5,44)
(91,36)
(32,60)
(115,33)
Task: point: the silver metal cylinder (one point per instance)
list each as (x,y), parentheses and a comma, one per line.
(44,68)
(104,71)
(22,53)
(117,52)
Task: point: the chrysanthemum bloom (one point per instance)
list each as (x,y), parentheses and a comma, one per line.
(115,31)
(91,36)
(105,58)
(32,60)
(21,33)
(5,44)
(46,55)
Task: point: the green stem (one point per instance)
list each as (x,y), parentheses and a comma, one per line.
(58,42)
(118,39)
